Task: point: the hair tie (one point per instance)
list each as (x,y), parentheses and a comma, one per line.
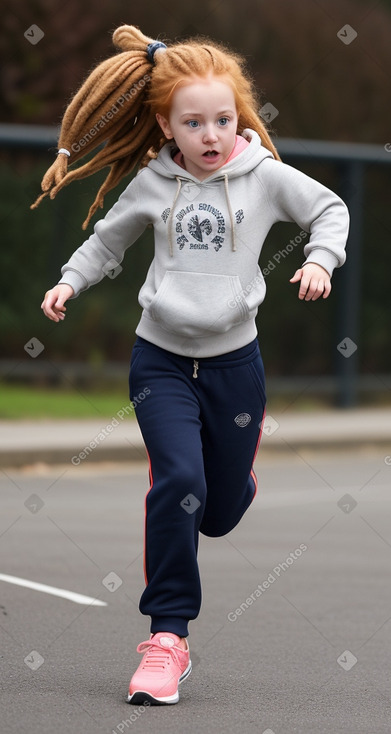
(63,150)
(152,48)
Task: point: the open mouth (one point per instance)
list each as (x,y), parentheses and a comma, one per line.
(210,154)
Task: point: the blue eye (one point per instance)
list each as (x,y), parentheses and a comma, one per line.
(223,121)
(192,123)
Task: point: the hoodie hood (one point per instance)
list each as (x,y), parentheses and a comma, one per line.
(243,163)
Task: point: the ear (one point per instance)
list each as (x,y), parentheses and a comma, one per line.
(165,126)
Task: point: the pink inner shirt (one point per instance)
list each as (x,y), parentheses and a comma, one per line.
(240,144)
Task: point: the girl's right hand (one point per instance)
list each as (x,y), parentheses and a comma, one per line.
(53,303)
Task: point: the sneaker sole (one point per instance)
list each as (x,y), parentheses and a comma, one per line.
(140,697)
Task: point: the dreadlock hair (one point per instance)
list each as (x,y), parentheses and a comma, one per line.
(117,104)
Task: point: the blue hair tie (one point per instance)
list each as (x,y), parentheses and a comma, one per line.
(152,48)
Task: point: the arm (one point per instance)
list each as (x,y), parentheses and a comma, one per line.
(103,251)
(295,197)
(106,247)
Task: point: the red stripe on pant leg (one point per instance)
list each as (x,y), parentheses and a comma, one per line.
(252,473)
(145,516)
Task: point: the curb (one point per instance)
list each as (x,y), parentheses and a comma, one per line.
(18,458)
(91,441)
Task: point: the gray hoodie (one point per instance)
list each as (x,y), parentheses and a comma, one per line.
(204,285)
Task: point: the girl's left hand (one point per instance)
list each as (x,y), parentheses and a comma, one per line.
(315,282)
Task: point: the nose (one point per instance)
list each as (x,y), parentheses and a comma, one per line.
(210,134)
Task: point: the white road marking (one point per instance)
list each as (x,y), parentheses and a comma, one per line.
(71,595)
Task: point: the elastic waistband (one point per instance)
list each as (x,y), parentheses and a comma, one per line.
(237,356)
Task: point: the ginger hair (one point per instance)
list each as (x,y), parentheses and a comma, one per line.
(115,109)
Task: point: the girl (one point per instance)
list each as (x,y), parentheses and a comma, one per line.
(211,183)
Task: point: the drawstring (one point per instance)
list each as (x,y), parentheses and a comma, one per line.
(170,219)
(171,216)
(231,214)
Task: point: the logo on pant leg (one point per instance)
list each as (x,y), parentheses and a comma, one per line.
(242,420)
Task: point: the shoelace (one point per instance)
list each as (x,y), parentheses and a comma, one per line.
(158,657)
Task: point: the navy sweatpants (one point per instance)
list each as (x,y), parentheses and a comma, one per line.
(201,423)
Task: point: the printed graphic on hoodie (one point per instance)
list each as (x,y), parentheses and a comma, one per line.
(199,226)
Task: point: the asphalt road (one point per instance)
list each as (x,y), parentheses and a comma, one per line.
(295,626)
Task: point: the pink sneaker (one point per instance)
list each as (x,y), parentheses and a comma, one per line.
(164,666)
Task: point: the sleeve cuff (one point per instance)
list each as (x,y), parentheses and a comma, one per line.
(75,280)
(324,258)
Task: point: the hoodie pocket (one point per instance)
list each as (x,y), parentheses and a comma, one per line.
(194,304)
(257,374)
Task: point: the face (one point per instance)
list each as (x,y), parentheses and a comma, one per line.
(203,120)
